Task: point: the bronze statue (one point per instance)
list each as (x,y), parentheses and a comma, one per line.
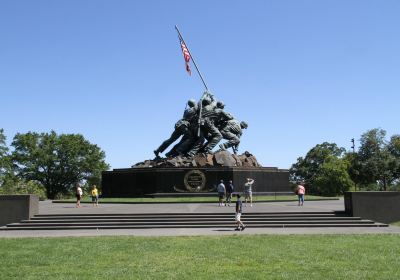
(201,121)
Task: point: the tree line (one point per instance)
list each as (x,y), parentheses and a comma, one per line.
(48,164)
(331,170)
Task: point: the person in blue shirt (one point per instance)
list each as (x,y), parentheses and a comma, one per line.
(240,225)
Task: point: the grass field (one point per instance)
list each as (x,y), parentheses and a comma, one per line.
(218,257)
(192,199)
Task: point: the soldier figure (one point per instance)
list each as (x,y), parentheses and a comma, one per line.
(190,137)
(223,116)
(190,112)
(181,128)
(212,116)
(232,132)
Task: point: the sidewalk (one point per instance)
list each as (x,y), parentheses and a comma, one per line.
(46,207)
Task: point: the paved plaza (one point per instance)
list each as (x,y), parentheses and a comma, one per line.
(47,207)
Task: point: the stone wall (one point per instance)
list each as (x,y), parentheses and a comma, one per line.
(14,208)
(377,206)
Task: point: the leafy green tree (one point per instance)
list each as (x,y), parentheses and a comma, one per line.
(307,169)
(377,163)
(57,161)
(332,177)
(353,168)
(5,161)
(394,149)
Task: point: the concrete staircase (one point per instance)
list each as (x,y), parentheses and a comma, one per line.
(190,220)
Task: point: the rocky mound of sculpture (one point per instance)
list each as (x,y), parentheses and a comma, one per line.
(217,159)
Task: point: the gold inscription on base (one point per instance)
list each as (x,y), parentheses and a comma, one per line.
(194,180)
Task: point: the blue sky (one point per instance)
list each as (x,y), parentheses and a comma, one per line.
(299,72)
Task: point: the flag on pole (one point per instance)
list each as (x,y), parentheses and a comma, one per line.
(186,56)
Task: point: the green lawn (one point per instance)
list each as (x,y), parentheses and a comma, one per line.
(192,199)
(217,257)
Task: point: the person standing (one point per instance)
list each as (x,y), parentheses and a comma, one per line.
(301,191)
(248,192)
(238,215)
(229,191)
(79,194)
(221,192)
(95,196)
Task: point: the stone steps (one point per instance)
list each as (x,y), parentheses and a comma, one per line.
(189,220)
(83,217)
(248,220)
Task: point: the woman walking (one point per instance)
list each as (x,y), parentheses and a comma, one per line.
(79,194)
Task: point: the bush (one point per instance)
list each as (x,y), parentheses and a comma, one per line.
(18,186)
(61,196)
(370,187)
(395,187)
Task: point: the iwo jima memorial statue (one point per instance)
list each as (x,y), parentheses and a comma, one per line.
(200,159)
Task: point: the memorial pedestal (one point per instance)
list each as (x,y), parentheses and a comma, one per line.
(131,182)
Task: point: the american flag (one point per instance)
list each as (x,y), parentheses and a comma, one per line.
(186,56)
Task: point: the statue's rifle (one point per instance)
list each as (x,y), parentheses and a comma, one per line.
(200,113)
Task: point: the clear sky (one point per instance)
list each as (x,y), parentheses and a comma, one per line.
(299,72)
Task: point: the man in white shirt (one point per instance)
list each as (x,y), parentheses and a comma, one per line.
(248,192)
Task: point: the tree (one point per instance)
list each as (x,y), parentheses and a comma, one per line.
(307,169)
(394,149)
(353,168)
(332,177)
(57,161)
(377,163)
(5,161)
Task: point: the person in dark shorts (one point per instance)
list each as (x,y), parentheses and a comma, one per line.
(238,215)
(221,192)
(95,196)
(229,191)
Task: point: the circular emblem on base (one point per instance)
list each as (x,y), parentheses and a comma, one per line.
(194,180)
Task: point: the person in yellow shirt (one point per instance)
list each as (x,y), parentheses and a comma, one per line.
(95,196)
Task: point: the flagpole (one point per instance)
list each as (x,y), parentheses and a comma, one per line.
(195,65)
